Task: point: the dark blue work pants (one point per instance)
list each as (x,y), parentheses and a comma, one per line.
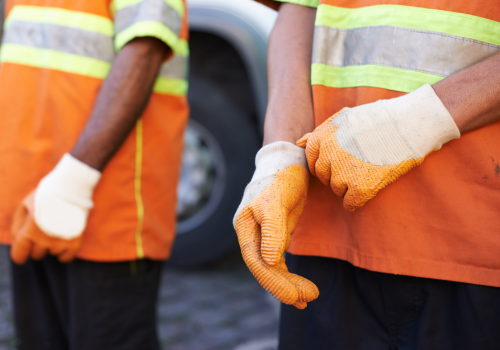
(86,305)
(359,309)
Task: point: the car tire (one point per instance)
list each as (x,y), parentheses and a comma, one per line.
(233,141)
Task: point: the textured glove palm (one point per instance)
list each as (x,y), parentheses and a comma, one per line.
(359,151)
(266,218)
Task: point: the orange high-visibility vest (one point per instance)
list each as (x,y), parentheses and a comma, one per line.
(442,219)
(54,57)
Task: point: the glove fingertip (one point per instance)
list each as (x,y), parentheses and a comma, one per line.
(66,257)
(18,259)
(302,142)
(301,305)
(349,205)
(19,253)
(353,200)
(38,253)
(349,208)
(270,259)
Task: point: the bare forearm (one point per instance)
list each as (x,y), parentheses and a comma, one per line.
(121,101)
(290,110)
(472,94)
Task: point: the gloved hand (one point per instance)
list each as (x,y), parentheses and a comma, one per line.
(360,150)
(267,216)
(52,218)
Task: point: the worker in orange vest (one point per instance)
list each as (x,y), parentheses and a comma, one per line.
(93,101)
(383,118)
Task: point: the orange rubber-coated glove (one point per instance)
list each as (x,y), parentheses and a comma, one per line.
(267,216)
(53,217)
(360,150)
(31,242)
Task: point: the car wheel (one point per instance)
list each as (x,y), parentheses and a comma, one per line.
(218,161)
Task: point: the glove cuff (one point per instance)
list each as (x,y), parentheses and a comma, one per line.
(270,159)
(72,180)
(279,155)
(422,120)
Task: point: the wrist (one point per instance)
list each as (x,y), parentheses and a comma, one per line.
(277,156)
(284,151)
(422,119)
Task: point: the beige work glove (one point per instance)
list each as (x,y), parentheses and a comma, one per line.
(267,216)
(52,218)
(360,150)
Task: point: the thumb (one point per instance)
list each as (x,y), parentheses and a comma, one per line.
(302,142)
(21,245)
(20,250)
(20,219)
(73,247)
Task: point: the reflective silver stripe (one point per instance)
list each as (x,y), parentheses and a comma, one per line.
(148,10)
(418,50)
(59,38)
(175,68)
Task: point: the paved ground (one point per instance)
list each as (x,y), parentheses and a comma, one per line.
(219,307)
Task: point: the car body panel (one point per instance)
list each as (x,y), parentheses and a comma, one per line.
(246,25)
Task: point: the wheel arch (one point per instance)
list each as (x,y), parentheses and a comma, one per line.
(246,26)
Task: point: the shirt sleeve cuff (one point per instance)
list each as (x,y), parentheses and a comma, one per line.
(149,29)
(161,19)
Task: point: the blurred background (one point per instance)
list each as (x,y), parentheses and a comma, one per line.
(208,298)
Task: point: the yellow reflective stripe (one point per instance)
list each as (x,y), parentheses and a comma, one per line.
(453,23)
(177,5)
(62,17)
(153,29)
(396,79)
(183,48)
(137,189)
(61,61)
(119,4)
(308,3)
(170,86)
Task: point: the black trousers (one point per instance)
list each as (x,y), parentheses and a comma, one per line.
(86,305)
(359,309)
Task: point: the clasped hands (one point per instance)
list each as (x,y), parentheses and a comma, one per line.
(52,217)
(356,152)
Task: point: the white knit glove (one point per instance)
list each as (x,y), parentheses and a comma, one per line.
(63,198)
(391,131)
